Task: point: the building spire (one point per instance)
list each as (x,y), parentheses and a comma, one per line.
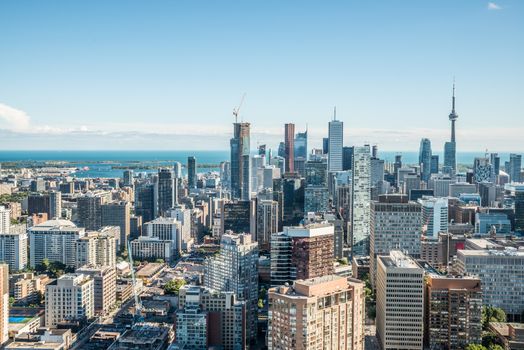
(335,113)
(453,98)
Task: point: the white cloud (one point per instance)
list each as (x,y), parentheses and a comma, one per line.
(18,132)
(493,6)
(15,119)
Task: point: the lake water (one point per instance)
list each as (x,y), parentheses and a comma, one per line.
(102,163)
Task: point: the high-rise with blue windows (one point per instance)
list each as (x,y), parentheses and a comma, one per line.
(301,145)
(424,159)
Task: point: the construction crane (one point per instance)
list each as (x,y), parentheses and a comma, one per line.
(138,304)
(236,110)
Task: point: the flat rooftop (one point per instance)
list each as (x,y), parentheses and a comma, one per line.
(399,260)
(34,345)
(320,280)
(149,270)
(488,252)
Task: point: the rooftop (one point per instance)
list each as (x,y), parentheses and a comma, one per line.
(320,280)
(399,260)
(508,251)
(56,224)
(149,269)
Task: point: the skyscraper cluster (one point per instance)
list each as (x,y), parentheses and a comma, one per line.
(292,247)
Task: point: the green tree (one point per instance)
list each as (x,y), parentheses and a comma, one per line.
(159,261)
(260,303)
(57,269)
(173,286)
(492,314)
(475,347)
(11,301)
(490,340)
(343,261)
(262,293)
(44,266)
(496,347)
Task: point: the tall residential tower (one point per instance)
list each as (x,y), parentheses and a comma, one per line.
(240,188)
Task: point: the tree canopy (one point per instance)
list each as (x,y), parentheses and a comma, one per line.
(173,286)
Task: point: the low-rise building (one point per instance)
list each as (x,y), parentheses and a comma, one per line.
(146,336)
(26,288)
(509,334)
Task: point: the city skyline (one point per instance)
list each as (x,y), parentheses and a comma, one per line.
(153,77)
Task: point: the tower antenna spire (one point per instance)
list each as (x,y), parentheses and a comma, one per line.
(453,98)
(335,113)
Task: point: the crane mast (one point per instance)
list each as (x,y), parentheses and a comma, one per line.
(138,304)
(237,110)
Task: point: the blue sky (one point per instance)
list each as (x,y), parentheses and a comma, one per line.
(167,74)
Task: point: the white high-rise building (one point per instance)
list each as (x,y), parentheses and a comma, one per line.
(71,297)
(336,142)
(104,284)
(439,183)
(400,302)
(361,216)
(165,229)
(5,219)
(96,248)
(183,216)
(150,248)
(4,304)
(434,216)
(177,170)
(54,240)
(395,225)
(13,250)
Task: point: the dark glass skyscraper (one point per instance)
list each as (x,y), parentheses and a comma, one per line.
(293,201)
(240,147)
(289,147)
(495,160)
(347,158)
(145,201)
(424,159)
(166,190)
(301,145)
(515,167)
(191,172)
(434,163)
(325,145)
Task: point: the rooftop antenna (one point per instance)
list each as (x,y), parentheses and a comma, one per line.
(236,110)
(335,113)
